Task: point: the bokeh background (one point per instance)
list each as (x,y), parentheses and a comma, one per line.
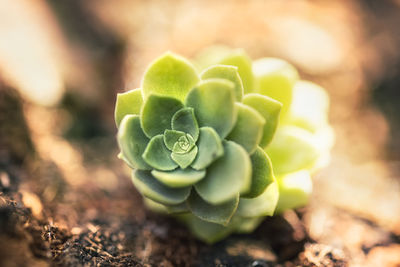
(65,199)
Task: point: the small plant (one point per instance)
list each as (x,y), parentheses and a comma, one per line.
(201,143)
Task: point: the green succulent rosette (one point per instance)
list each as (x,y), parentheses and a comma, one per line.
(200,139)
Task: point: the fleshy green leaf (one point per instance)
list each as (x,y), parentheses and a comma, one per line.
(292,149)
(157,154)
(185,121)
(270,110)
(248,129)
(214,105)
(295,190)
(220,214)
(171,137)
(179,177)
(183,145)
(132,142)
(156,191)
(169,75)
(184,160)
(248,224)
(302,114)
(275,78)
(128,103)
(225,72)
(263,205)
(262,174)
(157,113)
(227,176)
(210,148)
(178,208)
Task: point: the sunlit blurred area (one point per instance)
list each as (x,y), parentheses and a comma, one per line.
(62,63)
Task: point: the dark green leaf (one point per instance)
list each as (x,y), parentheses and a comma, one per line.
(185,121)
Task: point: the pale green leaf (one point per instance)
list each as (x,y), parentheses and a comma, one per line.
(185,121)
(248,129)
(179,177)
(214,105)
(220,214)
(156,191)
(210,148)
(171,137)
(128,103)
(184,160)
(227,176)
(157,113)
(132,142)
(275,78)
(158,156)
(184,144)
(295,190)
(292,149)
(263,205)
(169,75)
(262,174)
(225,72)
(270,110)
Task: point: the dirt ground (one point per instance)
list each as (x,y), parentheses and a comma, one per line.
(66,200)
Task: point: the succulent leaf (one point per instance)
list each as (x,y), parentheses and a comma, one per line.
(157,113)
(227,176)
(184,160)
(132,142)
(263,205)
(210,148)
(225,72)
(171,137)
(262,174)
(184,144)
(156,191)
(128,103)
(158,156)
(275,78)
(220,214)
(292,149)
(213,102)
(179,177)
(169,75)
(270,110)
(185,121)
(295,190)
(248,129)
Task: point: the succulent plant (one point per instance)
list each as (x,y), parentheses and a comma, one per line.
(200,142)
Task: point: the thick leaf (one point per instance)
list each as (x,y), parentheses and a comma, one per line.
(292,149)
(247,225)
(220,214)
(158,156)
(225,72)
(263,205)
(275,78)
(184,160)
(214,105)
(179,177)
(156,191)
(210,148)
(178,208)
(302,114)
(248,129)
(240,59)
(183,145)
(157,113)
(132,142)
(171,137)
(227,176)
(207,231)
(128,103)
(270,110)
(169,75)
(185,121)
(295,190)
(262,174)
(168,209)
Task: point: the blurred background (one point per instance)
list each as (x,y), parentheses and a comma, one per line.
(65,198)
